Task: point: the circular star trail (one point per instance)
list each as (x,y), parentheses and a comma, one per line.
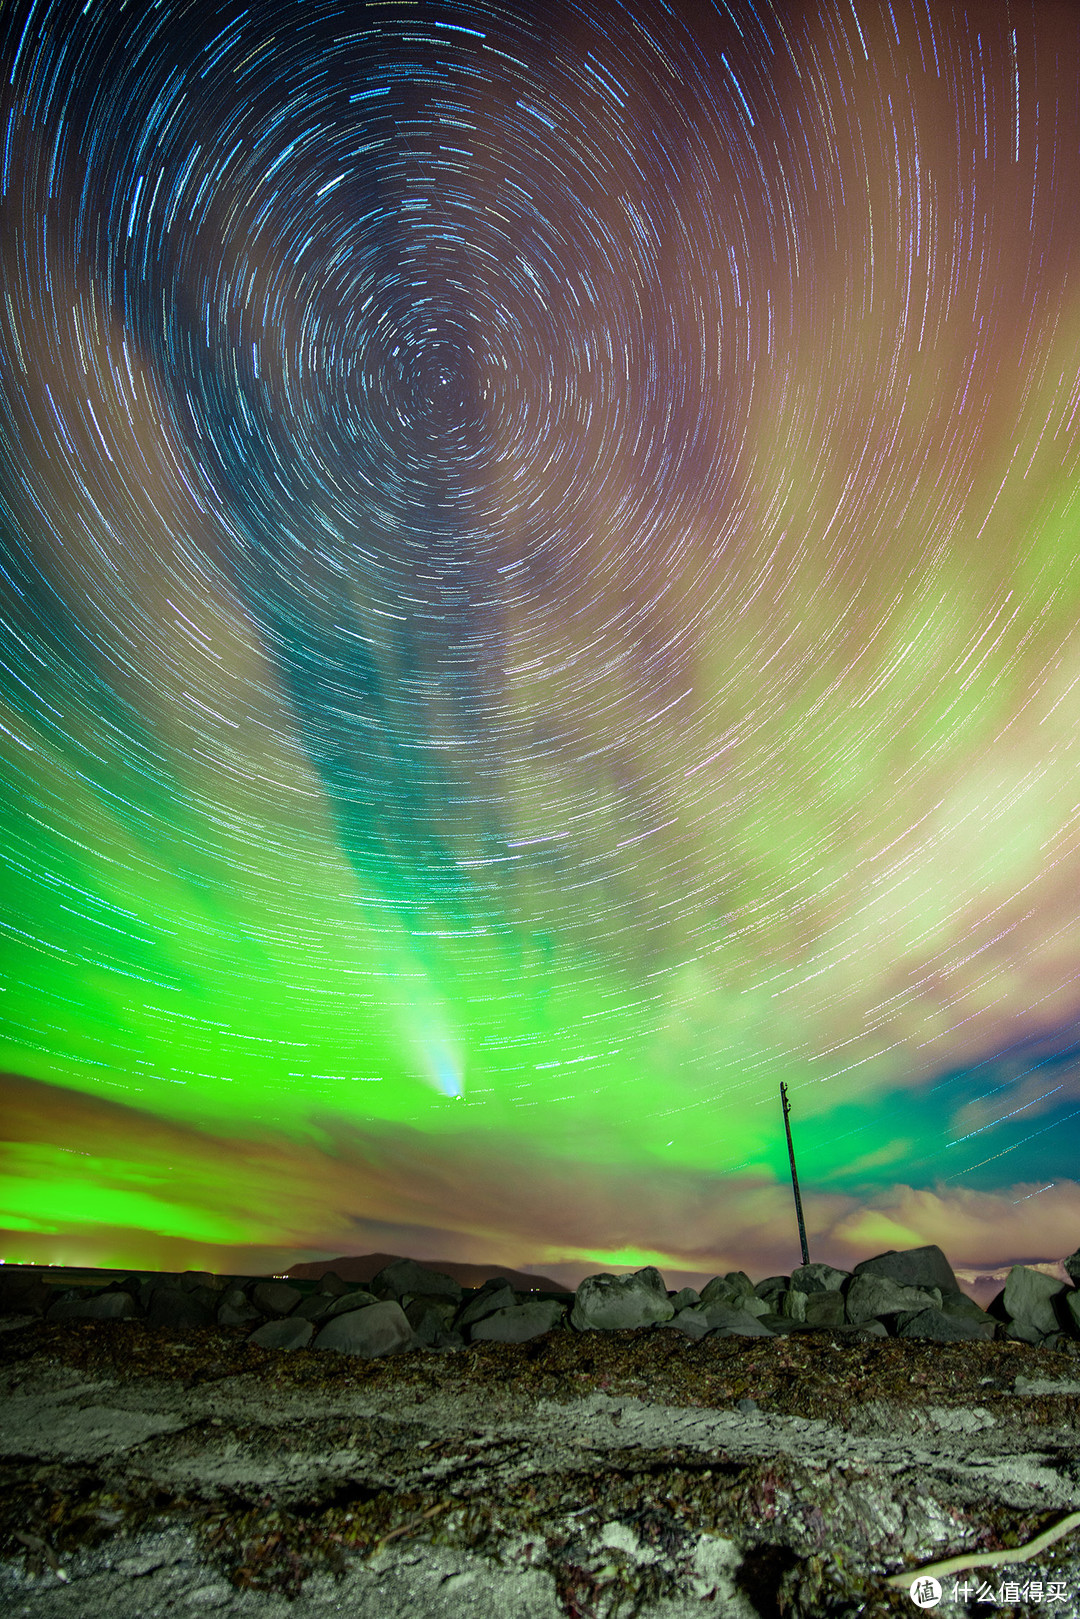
(540,597)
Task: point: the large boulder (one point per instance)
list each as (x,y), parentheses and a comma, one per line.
(958,1304)
(331,1282)
(1072,1267)
(912,1267)
(313,1307)
(517,1323)
(732,1290)
(729,1323)
(173,1307)
(23,1294)
(289,1332)
(378,1329)
(819,1278)
(358,1300)
(275,1298)
(684,1298)
(792,1304)
(608,1303)
(691,1320)
(192,1281)
(754,1305)
(403,1276)
(824,1309)
(771,1288)
(1071,1311)
(486,1302)
(871,1296)
(236,1309)
(1028,1298)
(430,1316)
(154,1283)
(441,1303)
(866,1330)
(943,1327)
(98,1307)
(130,1283)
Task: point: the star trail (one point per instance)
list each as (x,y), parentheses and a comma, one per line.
(540,589)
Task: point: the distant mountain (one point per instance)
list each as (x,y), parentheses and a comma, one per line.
(983,1285)
(363,1267)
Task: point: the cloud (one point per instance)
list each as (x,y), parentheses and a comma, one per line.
(260,1201)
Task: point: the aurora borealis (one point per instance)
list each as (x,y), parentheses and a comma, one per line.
(541,597)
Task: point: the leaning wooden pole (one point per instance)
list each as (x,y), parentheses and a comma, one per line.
(794,1175)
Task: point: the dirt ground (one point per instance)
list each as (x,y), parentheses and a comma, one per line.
(579,1476)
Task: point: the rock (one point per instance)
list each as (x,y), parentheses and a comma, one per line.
(235,1310)
(735,1292)
(683,1298)
(749,1408)
(778,1324)
(359,1300)
(819,1278)
(486,1302)
(729,1323)
(432,1329)
(755,1305)
(792,1303)
(824,1309)
(189,1280)
(289,1332)
(98,1307)
(406,1276)
(127,1284)
(609,1303)
(517,1323)
(209,1297)
(330,1282)
(692,1320)
(941,1327)
(1072,1267)
(959,1304)
(275,1298)
(1028,1298)
(430,1316)
(1071,1311)
(155,1284)
(863,1332)
(739,1278)
(912,1267)
(441,1303)
(173,1307)
(313,1308)
(996,1307)
(21,1294)
(870,1296)
(378,1329)
(229,1315)
(731,1289)
(771,1287)
(494,1284)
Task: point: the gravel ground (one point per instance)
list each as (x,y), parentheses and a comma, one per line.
(575,1477)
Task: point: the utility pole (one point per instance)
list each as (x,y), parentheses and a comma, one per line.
(794,1176)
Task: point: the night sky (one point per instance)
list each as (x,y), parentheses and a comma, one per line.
(540,598)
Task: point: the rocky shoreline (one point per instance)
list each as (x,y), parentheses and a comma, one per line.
(605,1466)
(406,1306)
